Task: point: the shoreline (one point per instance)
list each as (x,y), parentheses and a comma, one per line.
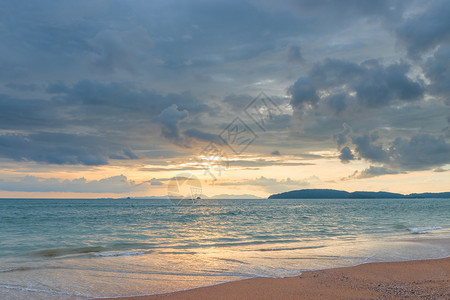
(428,279)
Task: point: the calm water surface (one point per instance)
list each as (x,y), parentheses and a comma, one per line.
(57,249)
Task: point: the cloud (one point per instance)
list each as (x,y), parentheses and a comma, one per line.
(170,119)
(425,30)
(22,87)
(114,49)
(338,84)
(369,148)
(437,70)
(122,40)
(447,129)
(265,163)
(237,103)
(91,122)
(346,155)
(372,171)
(342,137)
(97,105)
(203,136)
(116,184)
(127,154)
(54,149)
(93,83)
(329,16)
(22,113)
(129,98)
(155,181)
(419,152)
(294,54)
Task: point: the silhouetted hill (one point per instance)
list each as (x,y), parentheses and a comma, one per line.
(374,195)
(311,194)
(336,194)
(429,195)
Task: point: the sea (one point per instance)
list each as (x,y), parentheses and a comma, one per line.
(93,248)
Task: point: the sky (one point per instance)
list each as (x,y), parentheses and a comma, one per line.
(121,98)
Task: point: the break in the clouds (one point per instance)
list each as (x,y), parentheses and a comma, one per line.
(137,86)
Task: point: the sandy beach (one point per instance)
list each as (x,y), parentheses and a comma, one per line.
(424,279)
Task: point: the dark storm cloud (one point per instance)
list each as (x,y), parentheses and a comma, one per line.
(342,137)
(18,113)
(128,98)
(437,70)
(164,38)
(95,104)
(126,154)
(340,83)
(203,136)
(369,148)
(110,112)
(115,36)
(57,148)
(427,29)
(40,37)
(53,148)
(170,119)
(346,155)
(419,152)
(447,129)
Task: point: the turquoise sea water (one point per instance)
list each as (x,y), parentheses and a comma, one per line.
(72,248)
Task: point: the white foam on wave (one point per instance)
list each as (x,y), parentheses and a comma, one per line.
(423,230)
(121,253)
(37,290)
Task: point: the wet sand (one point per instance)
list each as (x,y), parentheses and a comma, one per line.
(424,279)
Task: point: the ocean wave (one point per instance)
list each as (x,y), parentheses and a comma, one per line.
(120,253)
(56,252)
(178,252)
(232,260)
(36,290)
(233,244)
(16,269)
(423,230)
(287,249)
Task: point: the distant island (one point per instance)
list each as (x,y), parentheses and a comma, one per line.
(336,194)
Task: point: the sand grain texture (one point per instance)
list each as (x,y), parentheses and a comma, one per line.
(424,279)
